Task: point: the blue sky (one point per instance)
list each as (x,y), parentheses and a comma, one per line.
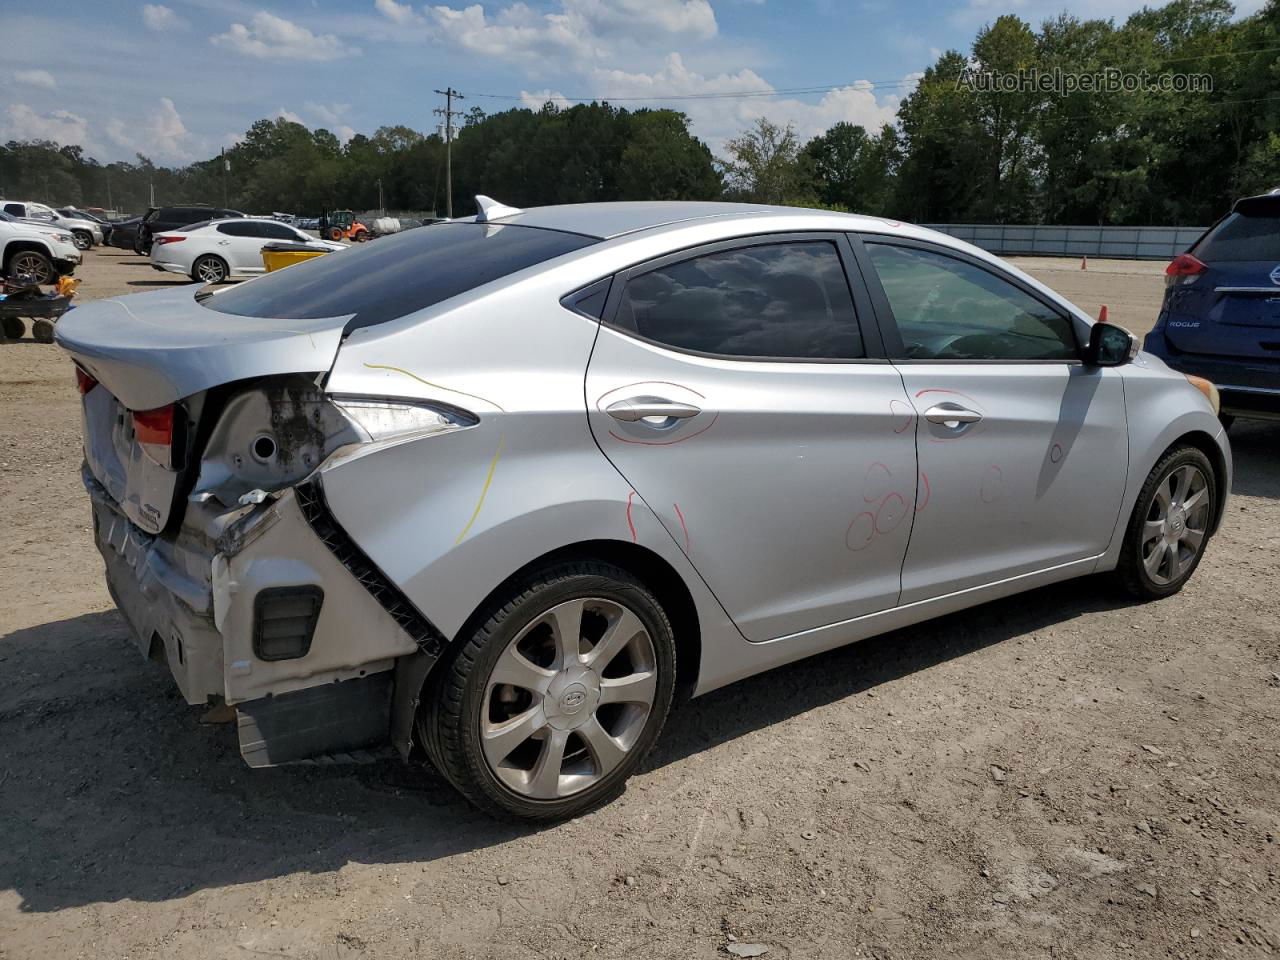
(177,81)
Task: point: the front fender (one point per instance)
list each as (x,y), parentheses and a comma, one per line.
(1162,407)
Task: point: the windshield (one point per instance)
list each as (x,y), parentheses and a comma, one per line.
(397,275)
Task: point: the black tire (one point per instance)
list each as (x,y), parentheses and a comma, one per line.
(83,239)
(1131,571)
(209,269)
(449,722)
(42,331)
(31,266)
(13,327)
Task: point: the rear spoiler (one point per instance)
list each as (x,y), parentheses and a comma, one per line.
(1267,205)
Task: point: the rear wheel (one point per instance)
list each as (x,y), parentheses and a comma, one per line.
(1170,525)
(209,269)
(13,327)
(555,699)
(83,239)
(31,266)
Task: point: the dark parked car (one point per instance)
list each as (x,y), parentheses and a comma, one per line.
(1221,313)
(124,233)
(162,219)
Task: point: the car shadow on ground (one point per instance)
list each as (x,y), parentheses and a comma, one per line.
(1255,449)
(174,282)
(111,790)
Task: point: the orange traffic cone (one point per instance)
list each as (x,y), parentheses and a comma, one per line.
(1102,314)
(1084,263)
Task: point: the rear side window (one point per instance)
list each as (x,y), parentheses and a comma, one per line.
(396,275)
(785,301)
(1241,237)
(14,209)
(239,229)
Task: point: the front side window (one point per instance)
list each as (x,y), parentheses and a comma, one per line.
(948,309)
(786,300)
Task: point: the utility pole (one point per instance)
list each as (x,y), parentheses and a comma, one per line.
(382,210)
(448,112)
(226,167)
(152,185)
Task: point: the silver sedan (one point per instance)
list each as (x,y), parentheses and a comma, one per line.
(497,491)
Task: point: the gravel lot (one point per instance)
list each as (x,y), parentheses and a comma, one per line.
(1060,774)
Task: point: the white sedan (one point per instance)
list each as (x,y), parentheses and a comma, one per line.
(214,250)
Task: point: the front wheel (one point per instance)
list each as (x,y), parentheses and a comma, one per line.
(82,239)
(31,266)
(209,269)
(1170,525)
(554,700)
(42,331)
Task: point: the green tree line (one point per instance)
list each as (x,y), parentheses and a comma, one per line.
(955,152)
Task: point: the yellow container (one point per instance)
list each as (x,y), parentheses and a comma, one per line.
(281,255)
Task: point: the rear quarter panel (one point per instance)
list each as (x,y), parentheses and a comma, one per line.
(449,517)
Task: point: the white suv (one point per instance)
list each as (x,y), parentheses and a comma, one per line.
(29,252)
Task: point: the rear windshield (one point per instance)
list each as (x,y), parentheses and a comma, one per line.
(1241,237)
(394,276)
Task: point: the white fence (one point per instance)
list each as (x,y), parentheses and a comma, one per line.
(1128,243)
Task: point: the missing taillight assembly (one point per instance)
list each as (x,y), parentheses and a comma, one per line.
(154,432)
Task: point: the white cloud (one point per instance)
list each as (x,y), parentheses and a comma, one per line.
(35,78)
(329,114)
(400,13)
(343,132)
(161,135)
(269,36)
(20,122)
(716,120)
(578,29)
(283,114)
(158,17)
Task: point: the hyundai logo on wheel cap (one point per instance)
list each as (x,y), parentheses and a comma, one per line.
(1275,275)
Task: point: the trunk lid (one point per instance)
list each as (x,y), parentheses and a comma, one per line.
(1232,310)
(149,351)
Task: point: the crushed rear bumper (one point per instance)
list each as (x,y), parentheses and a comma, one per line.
(195,600)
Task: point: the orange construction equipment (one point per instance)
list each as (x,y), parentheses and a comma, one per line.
(343,225)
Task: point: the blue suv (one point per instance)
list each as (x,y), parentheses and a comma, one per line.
(1221,314)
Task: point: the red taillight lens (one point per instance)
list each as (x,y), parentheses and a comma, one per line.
(84,382)
(163,240)
(1184,268)
(153,429)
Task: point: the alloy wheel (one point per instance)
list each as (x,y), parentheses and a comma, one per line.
(210,271)
(568,699)
(1176,524)
(31,268)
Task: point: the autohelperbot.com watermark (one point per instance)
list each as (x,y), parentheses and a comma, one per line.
(1058,81)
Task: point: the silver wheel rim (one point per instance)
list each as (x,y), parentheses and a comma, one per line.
(1176,524)
(210,271)
(81,241)
(568,698)
(30,268)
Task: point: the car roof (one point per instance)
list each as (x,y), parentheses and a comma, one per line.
(609,220)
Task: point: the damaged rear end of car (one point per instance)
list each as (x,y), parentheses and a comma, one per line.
(208,430)
(219,547)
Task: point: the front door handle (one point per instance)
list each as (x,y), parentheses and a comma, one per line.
(642,408)
(951,414)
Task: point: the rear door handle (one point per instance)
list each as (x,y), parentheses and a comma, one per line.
(951,414)
(641,408)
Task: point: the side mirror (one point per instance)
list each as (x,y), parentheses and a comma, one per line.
(1110,346)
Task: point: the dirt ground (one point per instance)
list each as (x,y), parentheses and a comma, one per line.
(1061,774)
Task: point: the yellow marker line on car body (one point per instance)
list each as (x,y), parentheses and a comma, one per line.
(484,491)
(438,386)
